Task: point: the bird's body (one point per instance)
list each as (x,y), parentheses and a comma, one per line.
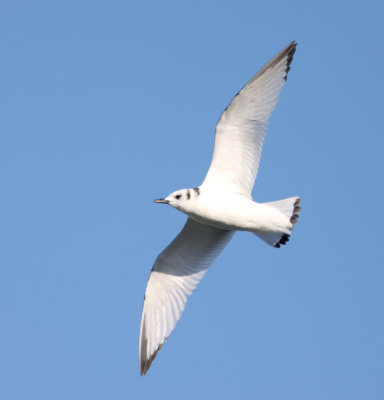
(232,211)
(217,208)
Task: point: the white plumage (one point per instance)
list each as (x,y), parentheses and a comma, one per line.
(217,208)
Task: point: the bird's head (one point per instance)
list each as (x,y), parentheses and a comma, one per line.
(183,199)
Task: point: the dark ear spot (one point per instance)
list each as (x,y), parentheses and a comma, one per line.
(197,191)
(188,194)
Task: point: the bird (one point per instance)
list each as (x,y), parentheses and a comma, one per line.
(219,207)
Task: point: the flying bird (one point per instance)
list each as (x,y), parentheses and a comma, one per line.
(217,208)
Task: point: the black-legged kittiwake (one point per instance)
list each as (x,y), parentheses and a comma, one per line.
(217,208)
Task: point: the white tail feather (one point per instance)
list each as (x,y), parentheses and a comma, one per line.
(288,207)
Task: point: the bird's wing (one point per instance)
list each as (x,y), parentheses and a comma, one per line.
(242,127)
(176,272)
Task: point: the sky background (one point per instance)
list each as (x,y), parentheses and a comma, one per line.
(105,106)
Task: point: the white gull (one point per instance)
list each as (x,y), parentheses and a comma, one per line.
(221,205)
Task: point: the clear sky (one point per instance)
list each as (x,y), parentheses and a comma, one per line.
(105,106)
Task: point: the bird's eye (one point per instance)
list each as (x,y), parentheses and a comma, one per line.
(178,196)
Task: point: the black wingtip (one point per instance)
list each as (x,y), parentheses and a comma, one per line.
(289,51)
(146,363)
(146,359)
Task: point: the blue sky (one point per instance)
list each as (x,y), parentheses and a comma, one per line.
(106,106)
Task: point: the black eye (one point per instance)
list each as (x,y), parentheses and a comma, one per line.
(178,196)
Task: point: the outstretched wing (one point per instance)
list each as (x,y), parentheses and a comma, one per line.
(176,272)
(242,127)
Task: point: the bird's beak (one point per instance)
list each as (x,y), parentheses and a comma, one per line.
(164,201)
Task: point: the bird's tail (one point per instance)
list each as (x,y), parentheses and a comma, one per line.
(288,207)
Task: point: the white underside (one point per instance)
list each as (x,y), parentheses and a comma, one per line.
(236,212)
